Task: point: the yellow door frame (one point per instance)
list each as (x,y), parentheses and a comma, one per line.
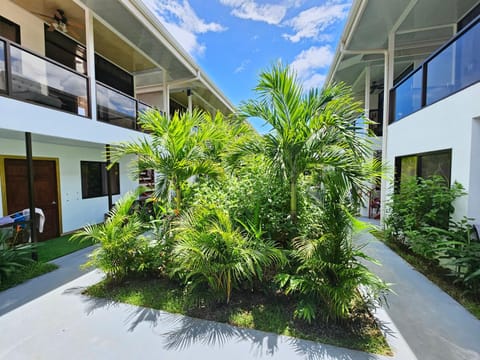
(3,184)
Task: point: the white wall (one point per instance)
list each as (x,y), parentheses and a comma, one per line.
(447,124)
(31,27)
(22,116)
(76,212)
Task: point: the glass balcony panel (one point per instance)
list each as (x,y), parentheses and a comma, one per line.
(37,80)
(3,82)
(115,108)
(142,108)
(454,68)
(408,95)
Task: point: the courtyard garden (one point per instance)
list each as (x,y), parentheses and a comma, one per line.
(253,230)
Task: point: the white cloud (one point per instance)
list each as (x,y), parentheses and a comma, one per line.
(272,14)
(242,66)
(183,23)
(311,22)
(315,81)
(309,62)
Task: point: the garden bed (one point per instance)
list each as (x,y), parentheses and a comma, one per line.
(436,274)
(271,313)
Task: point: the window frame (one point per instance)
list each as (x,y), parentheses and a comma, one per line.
(105,174)
(18,36)
(419,156)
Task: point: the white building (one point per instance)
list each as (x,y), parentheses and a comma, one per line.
(74,74)
(416,66)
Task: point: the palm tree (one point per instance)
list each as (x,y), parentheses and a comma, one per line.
(176,150)
(211,250)
(312,131)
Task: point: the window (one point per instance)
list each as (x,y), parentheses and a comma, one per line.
(423,165)
(9,30)
(66,51)
(94,179)
(113,76)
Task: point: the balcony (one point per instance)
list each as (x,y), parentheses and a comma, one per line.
(29,77)
(454,67)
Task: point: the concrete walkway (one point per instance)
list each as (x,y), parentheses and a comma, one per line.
(69,269)
(434,325)
(64,324)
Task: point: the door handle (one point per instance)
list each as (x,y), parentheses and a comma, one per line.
(54,202)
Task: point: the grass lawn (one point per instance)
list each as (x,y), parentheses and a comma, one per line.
(271,313)
(47,251)
(55,248)
(435,273)
(30,271)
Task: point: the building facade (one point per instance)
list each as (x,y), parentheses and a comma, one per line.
(74,75)
(416,66)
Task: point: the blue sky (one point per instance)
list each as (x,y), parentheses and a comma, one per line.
(233,40)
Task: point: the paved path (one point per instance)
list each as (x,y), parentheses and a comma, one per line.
(64,324)
(69,269)
(434,325)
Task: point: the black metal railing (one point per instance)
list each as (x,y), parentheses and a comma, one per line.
(452,68)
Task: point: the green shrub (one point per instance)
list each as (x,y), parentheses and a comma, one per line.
(123,249)
(420,217)
(252,194)
(211,250)
(12,259)
(420,203)
(458,252)
(330,272)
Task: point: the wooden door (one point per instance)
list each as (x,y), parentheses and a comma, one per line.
(46,193)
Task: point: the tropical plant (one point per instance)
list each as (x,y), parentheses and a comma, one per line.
(12,258)
(211,250)
(175,150)
(419,204)
(251,193)
(459,251)
(123,249)
(330,272)
(312,131)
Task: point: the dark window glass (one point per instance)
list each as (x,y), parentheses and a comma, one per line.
(94,179)
(113,76)
(408,167)
(66,51)
(176,107)
(423,165)
(377,128)
(9,30)
(436,164)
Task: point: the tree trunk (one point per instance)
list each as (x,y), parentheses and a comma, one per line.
(293,201)
(178,199)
